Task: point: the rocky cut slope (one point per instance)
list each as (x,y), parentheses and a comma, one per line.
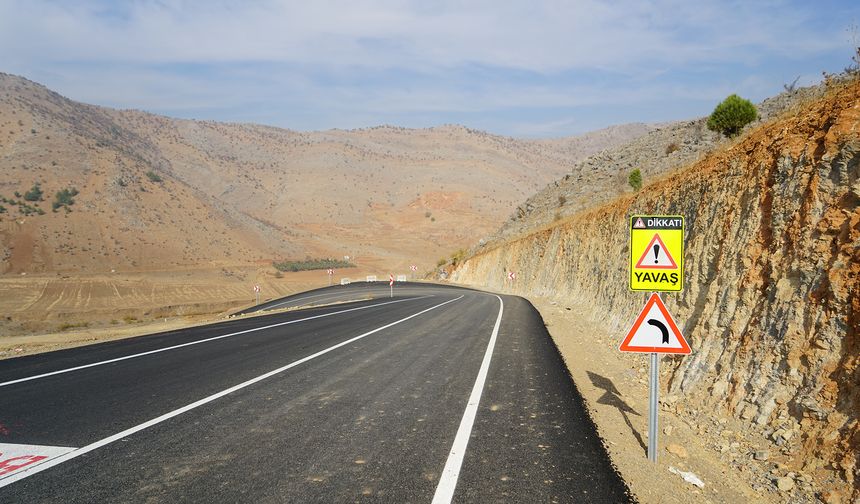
(772,297)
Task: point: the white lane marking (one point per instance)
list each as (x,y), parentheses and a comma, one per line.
(448,481)
(37,468)
(182,345)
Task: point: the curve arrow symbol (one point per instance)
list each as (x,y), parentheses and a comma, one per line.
(663,329)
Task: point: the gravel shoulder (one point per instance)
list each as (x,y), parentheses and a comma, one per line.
(615,388)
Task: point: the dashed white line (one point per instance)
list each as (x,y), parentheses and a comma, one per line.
(182,345)
(39,467)
(448,481)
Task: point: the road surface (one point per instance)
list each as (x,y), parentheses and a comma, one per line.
(439,394)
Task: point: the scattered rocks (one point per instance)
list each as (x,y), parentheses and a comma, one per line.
(761,455)
(689,477)
(785,484)
(677,450)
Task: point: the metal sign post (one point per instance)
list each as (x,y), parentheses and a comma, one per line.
(653,400)
(657,265)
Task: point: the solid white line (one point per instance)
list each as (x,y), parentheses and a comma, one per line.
(36,468)
(182,345)
(448,481)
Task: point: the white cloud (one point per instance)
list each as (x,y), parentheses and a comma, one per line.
(193,57)
(536,36)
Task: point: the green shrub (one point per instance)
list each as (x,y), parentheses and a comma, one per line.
(312,264)
(458,256)
(65,198)
(441,262)
(730,116)
(153,176)
(635,179)
(34,194)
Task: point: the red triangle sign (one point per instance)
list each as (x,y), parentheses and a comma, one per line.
(655,331)
(639,224)
(656,256)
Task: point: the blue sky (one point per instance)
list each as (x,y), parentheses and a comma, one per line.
(519,68)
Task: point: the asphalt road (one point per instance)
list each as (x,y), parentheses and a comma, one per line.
(439,393)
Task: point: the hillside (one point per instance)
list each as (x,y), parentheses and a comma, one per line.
(156,193)
(658,153)
(770,306)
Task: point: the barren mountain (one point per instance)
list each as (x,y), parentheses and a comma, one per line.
(155,193)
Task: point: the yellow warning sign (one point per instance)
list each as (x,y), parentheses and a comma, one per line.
(657,253)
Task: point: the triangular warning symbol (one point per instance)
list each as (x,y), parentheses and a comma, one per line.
(656,256)
(639,224)
(655,331)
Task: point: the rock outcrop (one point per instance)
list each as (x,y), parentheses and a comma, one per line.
(771,304)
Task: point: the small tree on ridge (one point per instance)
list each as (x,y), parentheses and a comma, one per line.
(730,116)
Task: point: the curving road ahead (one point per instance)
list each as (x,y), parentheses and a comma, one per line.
(439,394)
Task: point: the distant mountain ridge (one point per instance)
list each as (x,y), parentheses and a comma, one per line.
(161,193)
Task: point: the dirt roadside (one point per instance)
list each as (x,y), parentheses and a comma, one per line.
(615,388)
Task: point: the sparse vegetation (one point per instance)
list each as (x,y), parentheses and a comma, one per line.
(312,264)
(154,177)
(458,256)
(26,209)
(672,147)
(635,179)
(731,115)
(441,262)
(562,199)
(64,198)
(34,194)
(789,88)
(66,326)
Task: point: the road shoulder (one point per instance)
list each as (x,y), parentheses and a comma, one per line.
(615,389)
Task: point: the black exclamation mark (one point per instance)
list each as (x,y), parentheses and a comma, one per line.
(656,254)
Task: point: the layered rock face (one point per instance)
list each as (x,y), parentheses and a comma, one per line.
(771,304)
